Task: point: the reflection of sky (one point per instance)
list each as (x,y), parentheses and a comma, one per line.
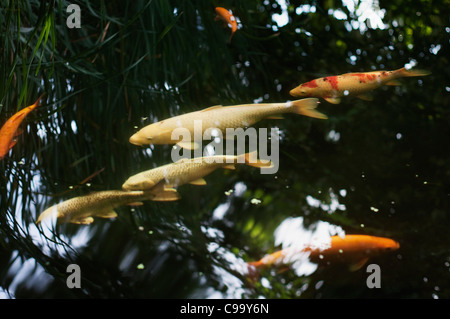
(28,271)
(363,14)
(291,234)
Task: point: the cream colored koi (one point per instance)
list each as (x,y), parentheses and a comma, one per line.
(83,209)
(188,171)
(221,118)
(333,88)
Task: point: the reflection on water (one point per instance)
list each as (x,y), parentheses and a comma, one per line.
(292,233)
(377,168)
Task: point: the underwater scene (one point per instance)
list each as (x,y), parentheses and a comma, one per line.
(268,149)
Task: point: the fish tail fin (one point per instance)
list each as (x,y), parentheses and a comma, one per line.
(307,107)
(38,101)
(251,159)
(413,72)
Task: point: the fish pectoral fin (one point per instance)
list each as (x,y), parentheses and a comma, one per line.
(166,196)
(212,108)
(107,214)
(275,117)
(393,83)
(198,181)
(333,100)
(188,145)
(358,264)
(18,132)
(82,221)
(12,143)
(251,159)
(135,204)
(365,97)
(229,166)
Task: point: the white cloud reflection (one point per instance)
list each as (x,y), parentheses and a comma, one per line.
(293,235)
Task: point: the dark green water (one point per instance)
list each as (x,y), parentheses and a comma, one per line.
(374,167)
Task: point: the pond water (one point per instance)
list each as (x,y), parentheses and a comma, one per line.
(375,167)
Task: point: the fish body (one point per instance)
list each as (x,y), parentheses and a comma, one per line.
(356,249)
(333,88)
(10,128)
(83,209)
(229,18)
(187,171)
(221,118)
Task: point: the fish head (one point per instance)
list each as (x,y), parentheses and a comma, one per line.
(303,90)
(387,244)
(137,183)
(156,133)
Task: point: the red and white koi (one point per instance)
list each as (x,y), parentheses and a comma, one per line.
(332,88)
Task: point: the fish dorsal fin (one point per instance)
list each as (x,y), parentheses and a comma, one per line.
(199,181)
(182,160)
(333,100)
(212,108)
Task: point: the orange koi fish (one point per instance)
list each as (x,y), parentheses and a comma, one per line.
(229,18)
(356,249)
(9,129)
(332,88)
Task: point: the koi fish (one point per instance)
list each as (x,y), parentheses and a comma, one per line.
(221,118)
(9,130)
(83,209)
(188,171)
(332,88)
(356,249)
(228,17)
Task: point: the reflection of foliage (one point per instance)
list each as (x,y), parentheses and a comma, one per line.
(133,62)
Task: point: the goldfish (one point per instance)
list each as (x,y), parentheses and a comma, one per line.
(228,17)
(221,118)
(188,171)
(10,129)
(356,249)
(83,209)
(333,88)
